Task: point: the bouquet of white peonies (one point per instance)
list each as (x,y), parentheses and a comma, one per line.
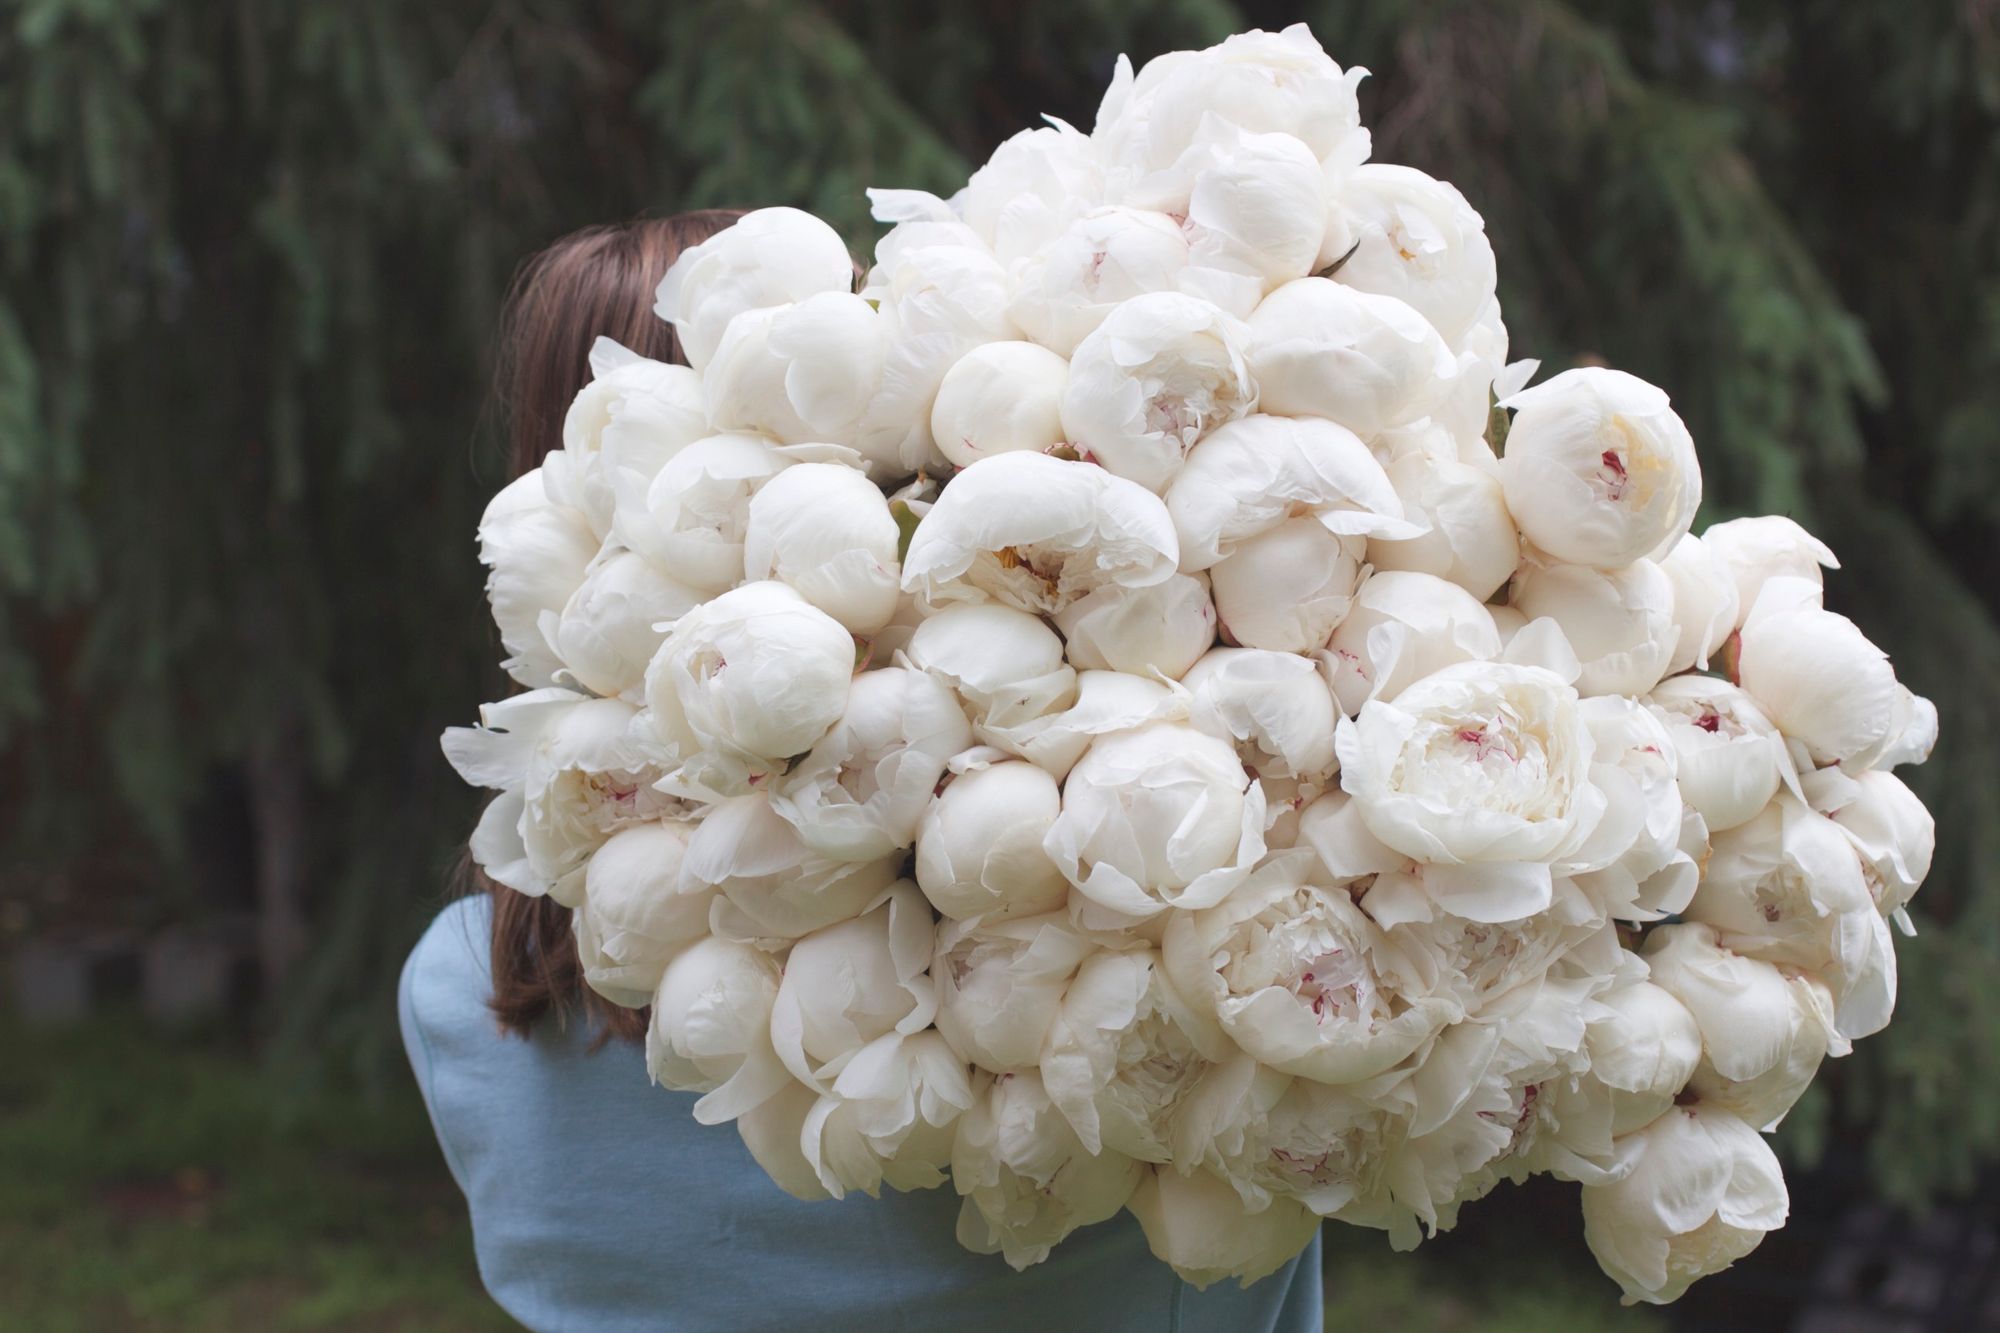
(1143,707)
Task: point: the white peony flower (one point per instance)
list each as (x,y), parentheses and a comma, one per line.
(1273,707)
(1323,349)
(773,1131)
(1272,1136)
(771,887)
(1157,374)
(633,415)
(769,257)
(1256,212)
(1697,1192)
(979,844)
(1163,628)
(1038,533)
(538,554)
(849,983)
(1005,665)
(1254,473)
(1118,1060)
(1027,1179)
(1404,626)
(747,682)
(1892,832)
(1656,873)
(1065,289)
(1787,887)
(890,1117)
(1644,1048)
(941,294)
(1729,759)
(1288,587)
(1300,978)
(1705,606)
(1418,240)
(1106,702)
(1031,189)
(1472,540)
(1482,770)
(1198,1226)
(1001,397)
(1160,817)
(825,530)
(710,1030)
(571,771)
(1000,983)
(860,792)
(1620,622)
(1599,470)
(798,373)
(606,633)
(1751,551)
(637,913)
(1764,1028)
(1818,677)
(691,518)
(1262,82)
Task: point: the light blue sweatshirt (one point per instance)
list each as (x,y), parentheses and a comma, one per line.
(598,1203)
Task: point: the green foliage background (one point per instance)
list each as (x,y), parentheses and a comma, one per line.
(251,256)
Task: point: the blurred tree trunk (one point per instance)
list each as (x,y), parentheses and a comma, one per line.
(278,812)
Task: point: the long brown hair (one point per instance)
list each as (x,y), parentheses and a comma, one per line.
(599,281)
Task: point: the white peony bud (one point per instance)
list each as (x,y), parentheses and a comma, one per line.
(773,888)
(1160,817)
(1038,533)
(691,518)
(1322,349)
(979,844)
(1256,213)
(538,554)
(1818,677)
(1000,983)
(1256,472)
(1160,372)
(636,912)
(824,529)
(1764,1029)
(798,373)
(1751,551)
(1697,1190)
(1063,291)
(1106,702)
(1705,607)
(633,415)
(1620,622)
(1287,588)
(1892,832)
(1274,707)
(859,793)
(1665,842)
(1472,540)
(752,680)
(1027,1179)
(773,1131)
(710,1030)
(846,984)
(1197,1225)
(1644,1048)
(1000,398)
(769,257)
(1163,628)
(890,1116)
(606,633)
(1599,470)
(1416,239)
(1729,758)
(1006,665)
(1402,627)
